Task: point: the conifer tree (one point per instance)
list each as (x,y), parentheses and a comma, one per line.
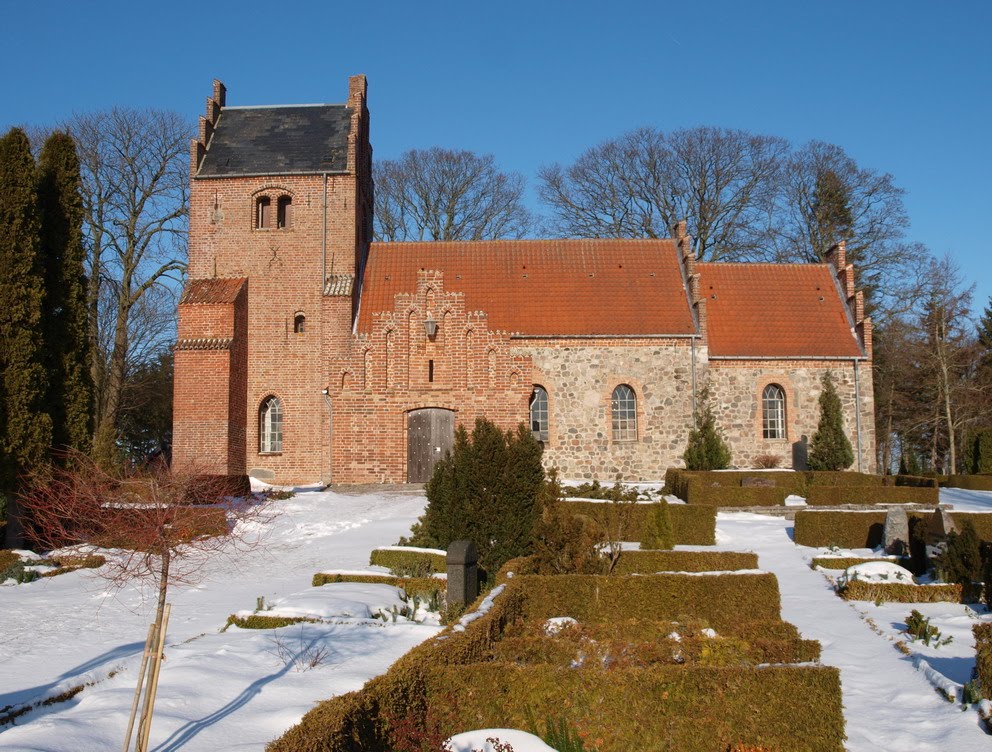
(830,448)
(65,315)
(25,426)
(707,449)
(658,534)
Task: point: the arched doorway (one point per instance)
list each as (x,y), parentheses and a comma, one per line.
(430,436)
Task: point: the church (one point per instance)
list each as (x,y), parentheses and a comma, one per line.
(307,352)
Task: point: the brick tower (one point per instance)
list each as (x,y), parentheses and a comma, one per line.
(280,222)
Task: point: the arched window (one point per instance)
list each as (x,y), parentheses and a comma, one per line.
(624,414)
(773,412)
(299,323)
(284,212)
(263,213)
(270,426)
(539,413)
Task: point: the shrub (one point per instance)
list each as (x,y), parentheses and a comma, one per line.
(830,448)
(918,627)
(567,543)
(981,452)
(693,525)
(706,449)
(262,621)
(961,561)
(281,495)
(767,461)
(18,572)
(430,589)
(842,562)
(596,491)
(969,482)
(490,490)
(843,529)
(408,563)
(650,562)
(657,531)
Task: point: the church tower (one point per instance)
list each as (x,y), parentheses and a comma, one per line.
(279,230)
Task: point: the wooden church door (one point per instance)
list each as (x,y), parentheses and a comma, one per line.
(430,436)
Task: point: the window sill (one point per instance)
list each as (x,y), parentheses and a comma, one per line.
(270,454)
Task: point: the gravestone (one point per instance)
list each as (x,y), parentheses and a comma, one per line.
(463,572)
(800,454)
(895,537)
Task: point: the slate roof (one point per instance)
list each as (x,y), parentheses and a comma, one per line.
(543,287)
(298,139)
(212,290)
(769,310)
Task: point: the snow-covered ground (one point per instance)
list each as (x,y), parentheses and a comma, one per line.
(232,690)
(238,689)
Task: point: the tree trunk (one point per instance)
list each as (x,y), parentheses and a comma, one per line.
(105,442)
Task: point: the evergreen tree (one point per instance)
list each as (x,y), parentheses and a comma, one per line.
(830,448)
(832,216)
(658,533)
(707,449)
(65,316)
(985,332)
(961,561)
(25,426)
(490,490)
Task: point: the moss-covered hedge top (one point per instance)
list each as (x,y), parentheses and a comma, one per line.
(691,525)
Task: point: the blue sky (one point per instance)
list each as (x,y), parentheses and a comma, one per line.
(904,87)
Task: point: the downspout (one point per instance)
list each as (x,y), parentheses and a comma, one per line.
(857,409)
(693,367)
(323,241)
(330,438)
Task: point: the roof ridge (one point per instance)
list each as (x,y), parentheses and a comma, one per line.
(281,106)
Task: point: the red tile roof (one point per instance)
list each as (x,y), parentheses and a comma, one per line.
(767,310)
(211,290)
(556,287)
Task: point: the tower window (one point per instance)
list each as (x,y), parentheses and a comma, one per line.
(299,323)
(270,426)
(263,213)
(284,208)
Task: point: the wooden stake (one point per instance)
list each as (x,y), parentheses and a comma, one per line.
(146,727)
(145,656)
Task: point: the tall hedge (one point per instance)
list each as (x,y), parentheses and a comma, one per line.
(830,448)
(25,426)
(66,333)
(490,490)
(981,452)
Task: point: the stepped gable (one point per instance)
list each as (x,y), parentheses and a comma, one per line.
(543,287)
(290,140)
(776,310)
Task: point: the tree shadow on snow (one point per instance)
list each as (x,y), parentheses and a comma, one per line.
(40,693)
(183,734)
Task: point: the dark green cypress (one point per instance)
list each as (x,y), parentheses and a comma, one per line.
(25,426)
(65,320)
(830,448)
(706,449)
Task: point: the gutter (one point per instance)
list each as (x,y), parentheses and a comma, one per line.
(330,437)
(323,241)
(605,336)
(789,357)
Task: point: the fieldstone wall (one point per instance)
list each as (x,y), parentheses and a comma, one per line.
(580,376)
(737,388)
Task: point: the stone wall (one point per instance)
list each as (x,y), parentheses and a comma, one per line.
(737,388)
(580,376)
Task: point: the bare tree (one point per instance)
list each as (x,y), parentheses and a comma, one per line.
(164,526)
(135,175)
(827,197)
(724,182)
(439,194)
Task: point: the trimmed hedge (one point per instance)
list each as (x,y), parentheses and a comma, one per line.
(835,495)
(261,621)
(852,529)
(392,559)
(650,562)
(691,525)
(969,482)
(859,590)
(983,657)
(734,496)
(693,709)
(843,562)
(683,483)
(842,529)
(721,600)
(423,587)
